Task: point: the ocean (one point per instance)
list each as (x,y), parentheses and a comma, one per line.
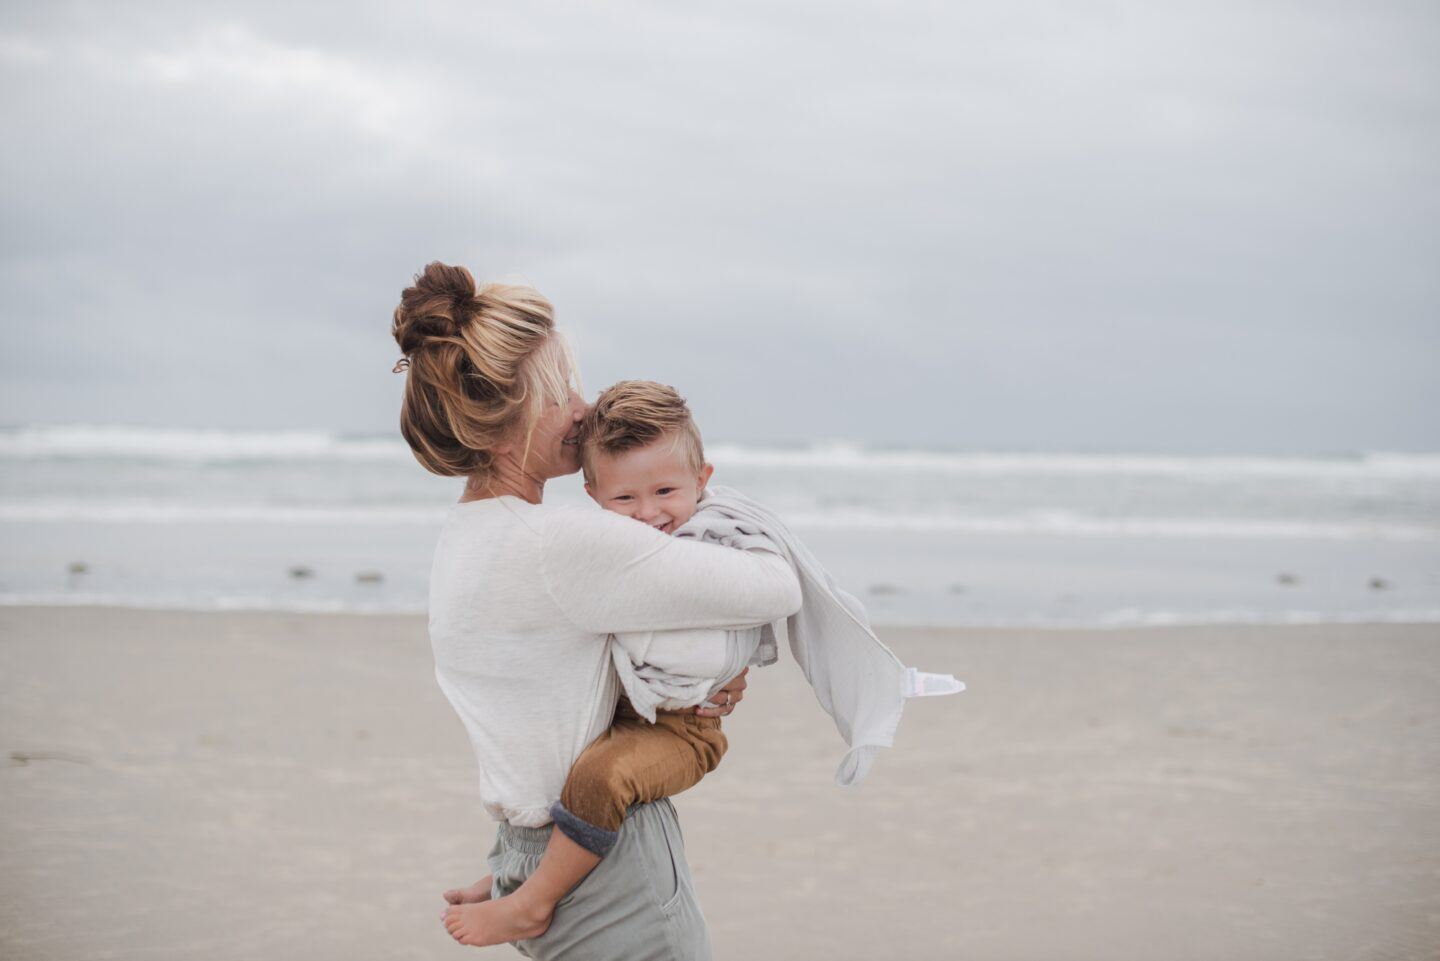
(315,521)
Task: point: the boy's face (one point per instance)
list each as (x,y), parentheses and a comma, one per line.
(654,484)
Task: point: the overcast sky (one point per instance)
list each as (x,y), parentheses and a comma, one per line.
(1199,226)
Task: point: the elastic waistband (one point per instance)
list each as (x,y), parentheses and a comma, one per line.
(683,719)
(525,840)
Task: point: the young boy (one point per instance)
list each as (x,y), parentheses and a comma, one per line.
(642,457)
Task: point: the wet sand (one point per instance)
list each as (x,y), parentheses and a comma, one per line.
(186,785)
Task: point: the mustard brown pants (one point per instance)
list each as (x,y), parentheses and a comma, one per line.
(634,762)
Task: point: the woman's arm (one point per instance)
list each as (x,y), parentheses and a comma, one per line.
(723,701)
(610,573)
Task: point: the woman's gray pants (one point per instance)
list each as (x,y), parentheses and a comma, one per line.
(638,905)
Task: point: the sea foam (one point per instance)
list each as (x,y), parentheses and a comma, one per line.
(224,446)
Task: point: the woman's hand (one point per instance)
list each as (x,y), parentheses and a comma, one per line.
(723,701)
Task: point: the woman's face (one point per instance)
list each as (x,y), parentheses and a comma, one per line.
(554,442)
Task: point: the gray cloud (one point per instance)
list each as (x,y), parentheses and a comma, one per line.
(1104,225)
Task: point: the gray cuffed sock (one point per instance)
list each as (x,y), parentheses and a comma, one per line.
(596,840)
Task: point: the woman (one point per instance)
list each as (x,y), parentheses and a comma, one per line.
(523,595)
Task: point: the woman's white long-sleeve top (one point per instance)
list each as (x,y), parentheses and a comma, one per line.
(522,599)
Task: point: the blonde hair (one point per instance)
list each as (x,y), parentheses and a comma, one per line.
(481,365)
(634,414)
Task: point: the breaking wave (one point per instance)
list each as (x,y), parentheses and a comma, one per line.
(226,446)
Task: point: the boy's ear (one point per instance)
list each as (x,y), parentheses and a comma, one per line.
(705,471)
(591,492)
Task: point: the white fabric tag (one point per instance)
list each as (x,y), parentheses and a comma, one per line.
(920,684)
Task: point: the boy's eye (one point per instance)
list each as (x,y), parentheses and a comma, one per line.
(621,497)
(665,490)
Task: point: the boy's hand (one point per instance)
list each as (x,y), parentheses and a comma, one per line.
(723,701)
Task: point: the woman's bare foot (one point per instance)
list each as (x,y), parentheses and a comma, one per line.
(496,922)
(474,894)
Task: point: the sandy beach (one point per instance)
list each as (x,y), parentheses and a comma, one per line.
(186,785)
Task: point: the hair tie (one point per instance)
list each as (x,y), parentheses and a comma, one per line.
(402,365)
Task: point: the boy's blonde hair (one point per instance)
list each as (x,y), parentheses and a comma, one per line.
(634,414)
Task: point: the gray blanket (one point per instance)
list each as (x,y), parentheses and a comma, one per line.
(856,679)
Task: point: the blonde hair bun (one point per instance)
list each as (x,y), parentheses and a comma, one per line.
(473,378)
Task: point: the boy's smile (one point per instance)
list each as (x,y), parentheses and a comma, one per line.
(653,484)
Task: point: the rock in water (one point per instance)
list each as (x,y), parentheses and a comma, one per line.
(301,573)
(369,577)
